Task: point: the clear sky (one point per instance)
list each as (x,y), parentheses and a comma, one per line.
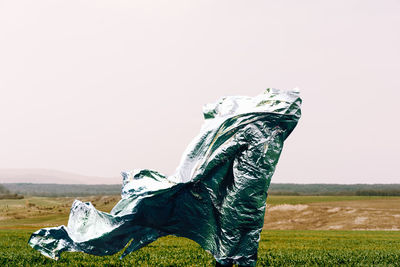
(96,87)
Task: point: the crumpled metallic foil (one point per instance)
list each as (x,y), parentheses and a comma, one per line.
(216,197)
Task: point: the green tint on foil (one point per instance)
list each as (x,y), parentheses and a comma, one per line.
(216,197)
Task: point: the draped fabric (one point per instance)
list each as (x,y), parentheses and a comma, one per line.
(216,197)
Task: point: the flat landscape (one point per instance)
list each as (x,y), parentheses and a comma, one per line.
(298,230)
(333,213)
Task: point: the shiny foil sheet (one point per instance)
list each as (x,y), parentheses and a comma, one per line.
(216,197)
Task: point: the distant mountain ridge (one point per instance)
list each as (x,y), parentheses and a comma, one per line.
(49,176)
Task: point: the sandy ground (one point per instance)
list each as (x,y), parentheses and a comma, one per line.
(364,214)
(344,215)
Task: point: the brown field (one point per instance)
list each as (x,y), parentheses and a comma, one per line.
(362,214)
(37,212)
(283,212)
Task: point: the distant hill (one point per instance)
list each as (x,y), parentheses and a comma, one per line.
(52,177)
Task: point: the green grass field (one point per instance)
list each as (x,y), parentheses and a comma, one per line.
(277,247)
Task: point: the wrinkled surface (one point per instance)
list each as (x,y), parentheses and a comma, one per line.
(216,197)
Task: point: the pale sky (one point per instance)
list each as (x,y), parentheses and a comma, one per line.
(97,87)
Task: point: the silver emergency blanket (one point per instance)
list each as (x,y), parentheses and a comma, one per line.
(216,197)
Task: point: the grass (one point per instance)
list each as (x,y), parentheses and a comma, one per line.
(277,248)
(284,248)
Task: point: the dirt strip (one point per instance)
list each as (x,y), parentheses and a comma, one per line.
(344,215)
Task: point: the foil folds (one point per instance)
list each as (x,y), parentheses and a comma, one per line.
(216,197)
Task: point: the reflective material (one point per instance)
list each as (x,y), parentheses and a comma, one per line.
(216,197)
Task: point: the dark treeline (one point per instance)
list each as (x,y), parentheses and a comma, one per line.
(378,193)
(4,190)
(335,189)
(6,194)
(62,190)
(74,190)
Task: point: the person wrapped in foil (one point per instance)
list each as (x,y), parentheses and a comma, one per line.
(216,197)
